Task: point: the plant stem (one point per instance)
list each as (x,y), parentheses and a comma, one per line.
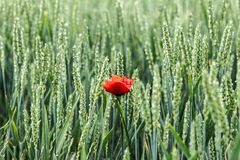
(125,128)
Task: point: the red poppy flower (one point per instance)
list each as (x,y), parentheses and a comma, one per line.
(118,85)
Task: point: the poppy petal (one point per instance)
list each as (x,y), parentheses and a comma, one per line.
(116,78)
(119,88)
(107,85)
(128,81)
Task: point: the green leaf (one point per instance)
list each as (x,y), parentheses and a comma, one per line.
(104,142)
(14,130)
(62,133)
(46,26)
(195,86)
(168,156)
(236,148)
(145,150)
(5,126)
(139,129)
(180,142)
(45,136)
(194,157)
(83,153)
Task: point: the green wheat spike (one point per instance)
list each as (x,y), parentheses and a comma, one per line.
(156,94)
(186,123)
(149,56)
(197,55)
(168,46)
(192,143)
(136,96)
(146,113)
(211,23)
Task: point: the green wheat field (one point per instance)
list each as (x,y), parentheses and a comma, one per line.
(182,54)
